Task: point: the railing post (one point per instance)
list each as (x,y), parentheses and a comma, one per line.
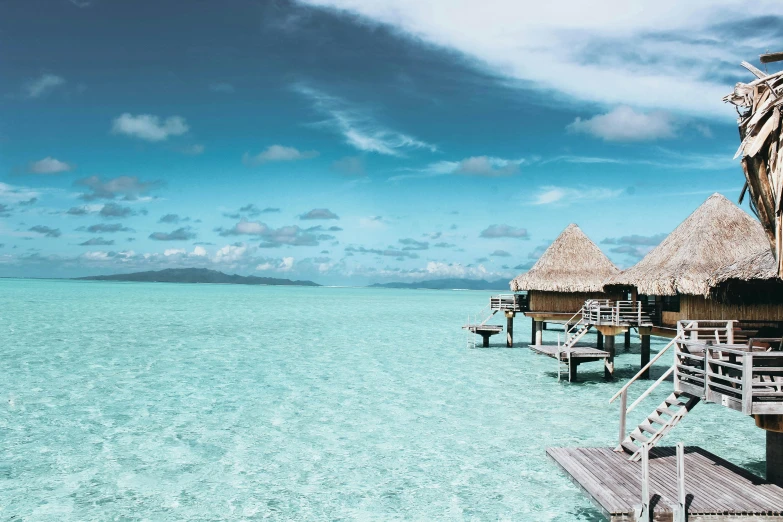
(730,333)
(695,331)
(747,383)
(707,368)
(682,512)
(644,514)
(676,376)
(623,413)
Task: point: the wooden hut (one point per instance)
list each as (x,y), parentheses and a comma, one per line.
(699,269)
(572,270)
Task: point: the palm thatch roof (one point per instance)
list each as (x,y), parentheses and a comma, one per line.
(716,235)
(573,263)
(751,280)
(757,266)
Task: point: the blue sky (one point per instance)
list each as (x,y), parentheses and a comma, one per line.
(357,141)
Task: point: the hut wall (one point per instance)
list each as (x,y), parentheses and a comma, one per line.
(698,307)
(569,302)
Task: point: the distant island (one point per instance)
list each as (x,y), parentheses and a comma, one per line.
(449,284)
(196,275)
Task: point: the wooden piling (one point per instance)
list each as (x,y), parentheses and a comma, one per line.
(627,340)
(510,329)
(609,363)
(775,457)
(600,341)
(645,355)
(533,331)
(539,334)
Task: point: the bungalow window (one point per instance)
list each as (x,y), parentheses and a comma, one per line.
(670,303)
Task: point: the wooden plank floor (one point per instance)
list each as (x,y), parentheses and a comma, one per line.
(715,489)
(577,352)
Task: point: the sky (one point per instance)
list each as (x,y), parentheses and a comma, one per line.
(358,141)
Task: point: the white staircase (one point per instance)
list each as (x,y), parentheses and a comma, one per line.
(665,417)
(574,334)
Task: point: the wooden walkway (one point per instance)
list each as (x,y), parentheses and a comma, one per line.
(716,490)
(577,352)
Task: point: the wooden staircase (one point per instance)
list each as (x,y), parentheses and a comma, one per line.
(665,417)
(575,334)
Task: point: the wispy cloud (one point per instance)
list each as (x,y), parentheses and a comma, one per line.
(496,231)
(550,195)
(358,127)
(48,165)
(149,127)
(277,153)
(42,85)
(625,124)
(480,166)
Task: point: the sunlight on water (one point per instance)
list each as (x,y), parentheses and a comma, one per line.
(125,401)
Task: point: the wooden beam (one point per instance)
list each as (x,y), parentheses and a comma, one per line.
(770,57)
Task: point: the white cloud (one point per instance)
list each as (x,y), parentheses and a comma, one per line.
(626,124)
(278,153)
(173,251)
(199,251)
(42,85)
(148,127)
(609,51)
(48,165)
(566,195)
(483,166)
(285,264)
(222,87)
(230,254)
(12,194)
(358,127)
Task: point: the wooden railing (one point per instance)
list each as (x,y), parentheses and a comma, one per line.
(509,302)
(607,312)
(744,377)
(623,392)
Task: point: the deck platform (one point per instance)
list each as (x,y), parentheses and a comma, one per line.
(716,490)
(585,353)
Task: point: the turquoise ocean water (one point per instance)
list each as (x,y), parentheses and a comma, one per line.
(128,401)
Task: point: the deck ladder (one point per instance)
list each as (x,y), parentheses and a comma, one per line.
(665,417)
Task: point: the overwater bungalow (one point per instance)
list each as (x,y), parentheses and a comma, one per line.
(717,263)
(714,266)
(571,271)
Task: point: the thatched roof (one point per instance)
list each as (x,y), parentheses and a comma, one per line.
(757,266)
(716,235)
(573,263)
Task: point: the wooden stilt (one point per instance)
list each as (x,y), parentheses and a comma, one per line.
(539,334)
(600,342)
(775,457)
(609,363)
(572,370)
(645,355)
(533,331)
(543,325)
(510,329)
(485,338)
(628,340)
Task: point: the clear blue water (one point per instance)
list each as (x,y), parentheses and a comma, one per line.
(126,401)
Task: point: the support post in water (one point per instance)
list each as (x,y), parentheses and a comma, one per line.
(609,364)
(539,333)
(627,345)
(775,457)
(645,354)
(510,328)
(600,340)
(533,331)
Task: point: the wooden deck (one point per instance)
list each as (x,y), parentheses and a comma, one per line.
(577,352)
(716,490)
